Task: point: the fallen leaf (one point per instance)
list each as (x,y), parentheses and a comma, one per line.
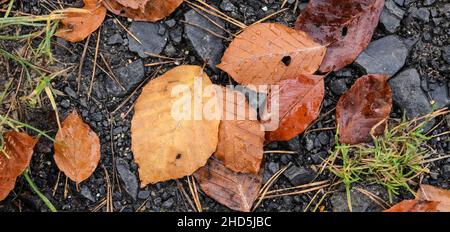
(6,186)
(77,149)
(431,193)
(241,136)
(77,26)
(17,153)
(237,191)
(419,206)
(265,53)
(166,147)
(299,104)
(344,26)
(363,106)
(143,10)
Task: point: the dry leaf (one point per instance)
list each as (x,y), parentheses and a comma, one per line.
(17,153)
(142,10)
(166,147)
(237,191)
(419,206)
(6,186)
(363,106)
(344,26)
(241,136)
(77,149)
(299,105)
(431,193)
(265,53)
(77,26)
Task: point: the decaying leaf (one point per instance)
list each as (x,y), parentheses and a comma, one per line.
(142,10)
(77,25)
(431,193)
(16,155)
(367,103)
(237,191)
(170,141)
(241,136)
(414,206)
(265,53)
(299,104)
(344,26)
(6,186)
(77,148)
(428,199)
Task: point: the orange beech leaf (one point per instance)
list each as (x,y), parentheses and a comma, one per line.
(420,206)
(142,10)
(237,191)
(300,99)
(77,149)
(365,105)
(168,140)
(344,26)
(431,193)
(265,53)
(241,136)
(17,153)
(77,26)
(6,186)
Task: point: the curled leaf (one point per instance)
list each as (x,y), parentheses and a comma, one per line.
(6,186)
(17,153)
(366,104)
(265,53)
(77,148)
(344,26)
(299,101)
(237,191)
(241,137)
(171,135)
(78,25)
(142,10)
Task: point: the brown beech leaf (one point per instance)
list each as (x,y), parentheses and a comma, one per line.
(237,191)
(142,10)
(16,156)
(344,26)
(77,26)
(167,147)
(6,186)
(431,193)
(77,149)
(241,136)
(420,206)
(363,106)
(265,53)
(300,99)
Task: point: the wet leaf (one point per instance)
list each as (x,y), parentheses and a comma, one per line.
(265,53)
(344,26)
(300,99)
(77,149)
(237,191)
(167,147)
(17,153)
(143,10)
(6,186)
(431,193)
(77,26)
(241,136)
(363,106)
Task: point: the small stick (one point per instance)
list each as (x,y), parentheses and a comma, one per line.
(129,32)
(95,63)
(83,55)
(207,30)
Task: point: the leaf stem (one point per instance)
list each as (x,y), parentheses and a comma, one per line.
(38,192)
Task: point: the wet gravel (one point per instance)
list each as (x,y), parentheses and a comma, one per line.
(422,27)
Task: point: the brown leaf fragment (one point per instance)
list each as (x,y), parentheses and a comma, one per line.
(363,106)
(77,149)
(143,10)
(299,104)
(6,186)
(241,136)
(420,206)
(344,26)
(237,191)
(17,153)
(266,53)
(77,26)
(431,193)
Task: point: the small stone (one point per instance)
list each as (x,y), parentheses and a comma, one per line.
(391,16)
(299,175)
(168,204)
(428,2)
(208,47)
(339,86)
(129,180)
(176,35)
(170,23)
(422,14)
(446,54)
(386,55)
(227,6)
(360,201)
(65,103)
(86,192)
(143,194)
(115,39)
(309,142)
(440,94)
(273,167)
(70,92)
(129,76)
(149,36)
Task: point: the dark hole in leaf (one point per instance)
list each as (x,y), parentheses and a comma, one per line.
(344,31)
(122,11)
(178,156)
(286,60)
